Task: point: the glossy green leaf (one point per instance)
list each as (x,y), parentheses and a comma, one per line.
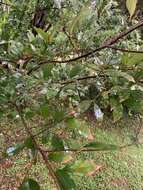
(29,184)
(65,180)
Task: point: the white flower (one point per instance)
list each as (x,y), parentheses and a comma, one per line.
(10,151)
(98,113)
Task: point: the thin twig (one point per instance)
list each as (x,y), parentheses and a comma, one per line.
(125,50)
(77,79)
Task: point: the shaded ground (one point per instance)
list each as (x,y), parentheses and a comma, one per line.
(120,170)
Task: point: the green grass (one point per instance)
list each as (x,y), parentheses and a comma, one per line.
(122,170)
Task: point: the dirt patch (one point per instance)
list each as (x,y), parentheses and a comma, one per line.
(121,184)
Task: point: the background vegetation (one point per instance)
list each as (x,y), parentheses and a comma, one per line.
(65,65)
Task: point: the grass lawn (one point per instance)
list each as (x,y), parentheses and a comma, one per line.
(120,170)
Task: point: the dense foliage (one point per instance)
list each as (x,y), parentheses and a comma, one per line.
(59,59)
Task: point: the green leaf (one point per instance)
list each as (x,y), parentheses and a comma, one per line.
(118,112)
(115,73)
(75,70)
(45,111)
(29,184)
(44,35)
(72,123)
(59,157)
(29,113)
(84,130)
(132,58)
(117,108)
(57,143)
(56,156)
(81,167)
(47,70)
(65,180)
(58,115)
(123,95)
(80,127)
(134,104)
(101,146)
(83,13)
(45,137)
(131,6)
(84,105)
(29,143)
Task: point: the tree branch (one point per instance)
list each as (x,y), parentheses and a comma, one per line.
(106,44)
(47,163)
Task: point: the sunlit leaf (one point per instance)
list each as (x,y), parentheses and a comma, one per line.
(72,123)
(44,35)
(60,157)
(81,167)
(83,13)
(131,59)
(131,6)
